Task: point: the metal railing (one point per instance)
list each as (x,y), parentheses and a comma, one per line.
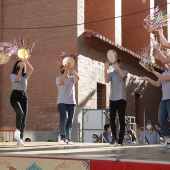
(131,120)
(6,135)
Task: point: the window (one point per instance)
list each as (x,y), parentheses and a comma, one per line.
(101,96)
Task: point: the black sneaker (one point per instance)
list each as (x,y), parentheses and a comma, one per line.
(120,143)
(113,142)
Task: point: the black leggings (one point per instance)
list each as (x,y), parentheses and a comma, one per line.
(120,106)
(19,102)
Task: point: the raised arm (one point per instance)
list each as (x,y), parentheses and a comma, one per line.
(160,76)
(161,56)
(64,75)
(154,83)
(76,77)
(29,68)
(163,40)
(106,78)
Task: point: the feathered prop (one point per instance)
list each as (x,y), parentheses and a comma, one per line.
(146,60)
(10,48)
(155,20)
(67,57)
(7,49)
(25,49)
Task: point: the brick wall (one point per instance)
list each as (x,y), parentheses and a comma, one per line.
(134,35)
(42,90)
(99,10)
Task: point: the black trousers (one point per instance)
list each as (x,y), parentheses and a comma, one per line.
(120,106)
(19,102)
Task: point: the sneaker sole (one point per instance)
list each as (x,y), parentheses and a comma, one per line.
(62,143)
(113,145)
(16,138)
(163,146)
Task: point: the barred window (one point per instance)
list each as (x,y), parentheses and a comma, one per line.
(101,96)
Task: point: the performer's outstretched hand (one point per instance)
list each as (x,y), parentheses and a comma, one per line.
(143,78)
(106,65)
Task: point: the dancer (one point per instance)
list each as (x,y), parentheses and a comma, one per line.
(117,98)
(164,107)
(66,101)
(21,72)
(164,59)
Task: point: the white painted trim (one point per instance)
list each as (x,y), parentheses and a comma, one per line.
(151,35)
(80,16)
(118,22)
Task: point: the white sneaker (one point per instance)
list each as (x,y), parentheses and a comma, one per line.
(168,146)
(70,143)
(17,135)
(113,143)
(165,144)
(61,142)
(20,142)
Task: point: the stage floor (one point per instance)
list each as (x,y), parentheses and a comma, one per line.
(88,151)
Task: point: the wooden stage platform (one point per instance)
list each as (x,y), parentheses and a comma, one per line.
(82,156)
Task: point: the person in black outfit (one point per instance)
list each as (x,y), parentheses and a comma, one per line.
(19,100)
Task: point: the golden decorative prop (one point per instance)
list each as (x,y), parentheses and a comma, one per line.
(23,54)
(69,60)
(25,50)
(112,56)
(4,58)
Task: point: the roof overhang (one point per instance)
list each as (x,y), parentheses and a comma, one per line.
(104,44)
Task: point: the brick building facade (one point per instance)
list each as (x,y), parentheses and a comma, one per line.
(39,20)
